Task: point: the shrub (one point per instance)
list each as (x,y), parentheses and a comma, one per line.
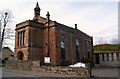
(107,47)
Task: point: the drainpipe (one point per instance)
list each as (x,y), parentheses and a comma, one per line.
(71,48)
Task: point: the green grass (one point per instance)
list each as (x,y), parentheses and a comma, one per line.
(107,47)
(116,44)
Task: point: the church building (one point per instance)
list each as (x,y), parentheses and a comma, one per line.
(51,42)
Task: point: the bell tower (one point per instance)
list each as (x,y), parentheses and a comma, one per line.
(37,11)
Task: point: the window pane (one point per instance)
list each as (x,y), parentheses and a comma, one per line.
(77,50)
(63,50)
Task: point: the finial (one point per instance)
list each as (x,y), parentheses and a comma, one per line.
(37,5)
(48,15)
(37,10)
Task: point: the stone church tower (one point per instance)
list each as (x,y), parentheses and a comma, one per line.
(29,38)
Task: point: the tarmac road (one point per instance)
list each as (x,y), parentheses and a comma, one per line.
(106,72)
(22,73)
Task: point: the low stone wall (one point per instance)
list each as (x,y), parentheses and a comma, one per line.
(11,64)
(83,72)
(22,65)
(35,66)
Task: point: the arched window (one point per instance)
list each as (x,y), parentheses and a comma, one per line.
(63,50)
(20,56)
(77,50)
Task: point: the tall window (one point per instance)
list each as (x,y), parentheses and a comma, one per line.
(77,50)
(85,48)
(63,50)
(21,38)
(23,41)
(18,38)
(88,49)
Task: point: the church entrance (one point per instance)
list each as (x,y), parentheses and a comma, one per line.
(20,55)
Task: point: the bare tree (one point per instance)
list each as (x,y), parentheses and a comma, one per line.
(101,41)
(114,41)
(7,32)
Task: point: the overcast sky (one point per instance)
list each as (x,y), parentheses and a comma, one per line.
(96,18)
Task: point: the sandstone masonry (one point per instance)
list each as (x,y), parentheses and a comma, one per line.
(41,37)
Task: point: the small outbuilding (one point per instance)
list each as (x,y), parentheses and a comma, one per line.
(6,54)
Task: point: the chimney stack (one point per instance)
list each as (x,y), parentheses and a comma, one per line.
(75,26)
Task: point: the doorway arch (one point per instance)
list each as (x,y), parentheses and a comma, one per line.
(20,55)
